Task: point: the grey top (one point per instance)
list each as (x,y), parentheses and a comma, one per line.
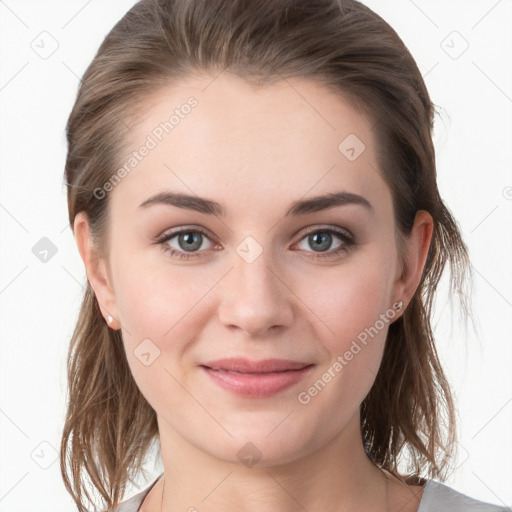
(437,497)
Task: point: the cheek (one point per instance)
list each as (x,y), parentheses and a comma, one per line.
(161,314)
(358,315)
(348,299)
(154,301)
(353,301)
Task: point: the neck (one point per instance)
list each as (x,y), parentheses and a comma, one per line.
(339,476)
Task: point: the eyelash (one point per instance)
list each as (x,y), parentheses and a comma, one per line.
(347,239)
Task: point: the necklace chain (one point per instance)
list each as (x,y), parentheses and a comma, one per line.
(163,489)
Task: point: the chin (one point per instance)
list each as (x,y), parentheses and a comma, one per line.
(258,448)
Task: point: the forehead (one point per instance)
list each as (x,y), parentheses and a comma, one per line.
(219,136)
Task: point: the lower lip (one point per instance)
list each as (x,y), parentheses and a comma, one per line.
(256,385)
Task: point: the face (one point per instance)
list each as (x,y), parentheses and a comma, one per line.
(260,279)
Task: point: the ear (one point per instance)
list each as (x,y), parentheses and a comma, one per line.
(96,269)
(416,252)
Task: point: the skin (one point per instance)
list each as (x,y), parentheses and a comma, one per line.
(256,151)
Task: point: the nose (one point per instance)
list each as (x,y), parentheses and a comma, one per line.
(255,297)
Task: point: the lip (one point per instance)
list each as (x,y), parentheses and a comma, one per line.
(256,379)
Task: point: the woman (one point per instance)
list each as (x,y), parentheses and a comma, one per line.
(252,189)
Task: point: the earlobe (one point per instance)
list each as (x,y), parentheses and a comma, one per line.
(96,270)
(417,248)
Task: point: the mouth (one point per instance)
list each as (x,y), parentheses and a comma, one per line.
(256,379)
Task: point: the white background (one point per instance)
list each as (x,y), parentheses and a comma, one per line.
(39,301)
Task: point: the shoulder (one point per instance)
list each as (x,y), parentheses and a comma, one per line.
(438,497)
(134,503)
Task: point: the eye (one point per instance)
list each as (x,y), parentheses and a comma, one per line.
(321,241)
(189,241)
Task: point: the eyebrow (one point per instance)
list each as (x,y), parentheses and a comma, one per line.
(300,207)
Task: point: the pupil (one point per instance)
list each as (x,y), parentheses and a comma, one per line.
(319,238)
(190,239)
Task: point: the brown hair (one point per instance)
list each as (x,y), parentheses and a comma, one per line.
(409,413)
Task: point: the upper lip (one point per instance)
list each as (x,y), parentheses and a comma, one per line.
(242,365)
